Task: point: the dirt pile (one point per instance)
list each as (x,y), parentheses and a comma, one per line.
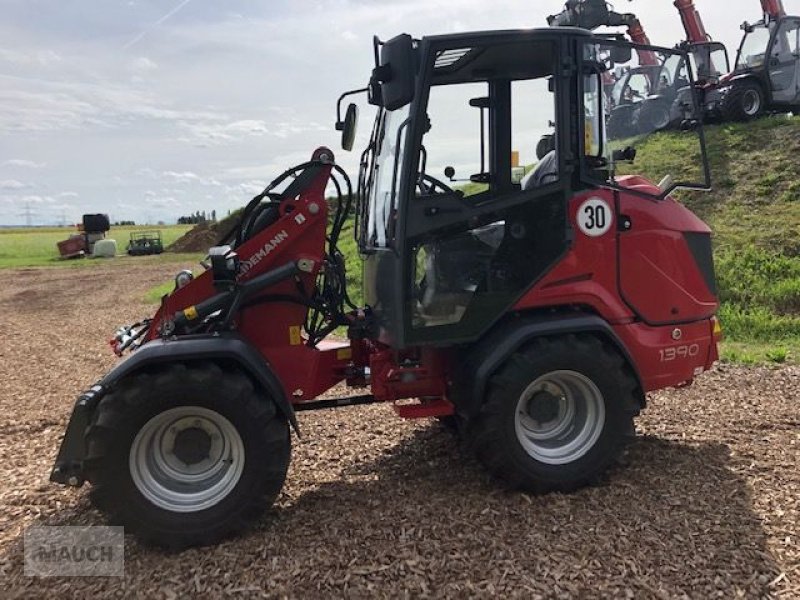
(203,235)
(198,239)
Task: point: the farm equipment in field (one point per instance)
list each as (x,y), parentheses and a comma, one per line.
(533,318)
(93,228)
(145,243)
(767,71)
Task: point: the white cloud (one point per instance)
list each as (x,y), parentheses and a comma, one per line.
(12,184)
(143,65)
(183,177)
(48,105)
(40,58)
(23,163)
(188,177)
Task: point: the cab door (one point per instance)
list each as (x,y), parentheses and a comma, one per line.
(784,62)
(474,242)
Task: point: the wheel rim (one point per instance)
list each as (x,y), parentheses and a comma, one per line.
(751,103)
(559,417)
(186,459)
(661,119)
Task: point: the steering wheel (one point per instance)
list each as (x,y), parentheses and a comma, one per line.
(428,185)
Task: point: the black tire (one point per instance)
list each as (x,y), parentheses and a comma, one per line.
(654,115)
(493,432)
(744,101)
(620,124)
(451,423)
(202,388)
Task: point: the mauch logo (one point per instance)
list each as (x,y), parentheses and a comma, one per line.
(74,551)
(261,253)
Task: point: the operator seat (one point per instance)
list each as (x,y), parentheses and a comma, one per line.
(545,171)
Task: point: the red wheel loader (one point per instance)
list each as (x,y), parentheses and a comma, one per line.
(534,316)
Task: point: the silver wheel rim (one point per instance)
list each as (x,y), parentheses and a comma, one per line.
(576,419)
(186,459)
(751,103)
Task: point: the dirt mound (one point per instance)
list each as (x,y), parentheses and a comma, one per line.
(203,235)
(198,239)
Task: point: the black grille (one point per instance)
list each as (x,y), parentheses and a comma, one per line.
(700,246)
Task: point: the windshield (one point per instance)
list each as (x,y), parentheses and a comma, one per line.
(619,88)
(657,135)
(710,61)
(673,68)
(378,181)
(754,48)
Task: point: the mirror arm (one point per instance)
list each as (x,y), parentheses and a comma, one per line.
(339,122)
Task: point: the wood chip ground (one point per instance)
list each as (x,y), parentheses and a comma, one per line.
(706,504)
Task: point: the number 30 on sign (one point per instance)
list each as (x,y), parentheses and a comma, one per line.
(595,217)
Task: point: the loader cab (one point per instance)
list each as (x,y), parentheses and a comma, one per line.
(451,233)
(709,61)
(770,52)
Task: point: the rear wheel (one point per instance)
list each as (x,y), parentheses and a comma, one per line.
(557,414)
(619,124)
(187,455)
(654,115)
(744,101)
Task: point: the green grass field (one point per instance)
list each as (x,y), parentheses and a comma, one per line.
(37,246)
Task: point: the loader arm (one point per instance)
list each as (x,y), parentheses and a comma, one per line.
(773,9)
(692,21)
(592,14)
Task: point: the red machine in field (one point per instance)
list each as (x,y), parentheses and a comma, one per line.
(533,317)
(710,58)
(767,71)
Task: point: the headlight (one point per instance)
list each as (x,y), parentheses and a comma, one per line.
(183,278)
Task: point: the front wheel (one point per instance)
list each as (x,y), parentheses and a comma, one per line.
(187,455)
(653,116)
(744,101)
(557,414)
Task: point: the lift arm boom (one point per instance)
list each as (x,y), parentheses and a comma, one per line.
(692,22)
(591,14)
(773,9)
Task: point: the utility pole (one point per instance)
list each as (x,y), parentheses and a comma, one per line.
(28,213)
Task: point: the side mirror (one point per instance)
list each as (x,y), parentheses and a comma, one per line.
(449,172)
(397,71)
(627,154)
(621,54)
(348,127)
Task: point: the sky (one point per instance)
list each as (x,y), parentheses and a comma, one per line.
(151,109)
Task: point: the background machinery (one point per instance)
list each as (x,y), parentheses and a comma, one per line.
(534,318)
(710,58)
(767,71)
(641,95)
(653,95)
(144,243)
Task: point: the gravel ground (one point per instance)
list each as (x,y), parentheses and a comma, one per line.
(706,504)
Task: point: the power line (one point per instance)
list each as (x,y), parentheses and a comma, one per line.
(29,214)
